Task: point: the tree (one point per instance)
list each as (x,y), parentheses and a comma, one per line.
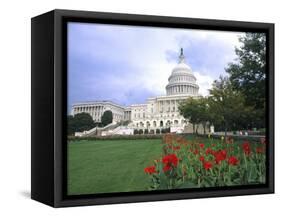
(107,118)
(204,113)
(79,123)
(196,111)
(188,110)
(248,74)
(228,105)
(70,125)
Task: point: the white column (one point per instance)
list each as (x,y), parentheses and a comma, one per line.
(170,103)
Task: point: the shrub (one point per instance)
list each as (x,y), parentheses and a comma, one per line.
(165,130)
(115,137)
(168,130)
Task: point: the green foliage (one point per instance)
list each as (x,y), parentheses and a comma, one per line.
(115,137)
(227,106)
(106,118)
(70,125)
(79,123)
(196,110)
(248,74)
(165,130)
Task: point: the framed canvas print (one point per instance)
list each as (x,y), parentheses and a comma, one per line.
(134,108)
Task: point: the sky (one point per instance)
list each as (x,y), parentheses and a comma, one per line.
(128,64)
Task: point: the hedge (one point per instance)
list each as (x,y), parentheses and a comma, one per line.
(157,136)
(116,137)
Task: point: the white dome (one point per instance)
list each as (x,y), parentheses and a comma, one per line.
(182,67)
(182,80)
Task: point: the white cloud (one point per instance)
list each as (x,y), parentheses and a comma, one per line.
(204,82)
(138,54)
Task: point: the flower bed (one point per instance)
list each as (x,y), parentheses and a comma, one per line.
(193,164)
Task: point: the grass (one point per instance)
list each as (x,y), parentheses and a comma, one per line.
(105,166)
(110,166)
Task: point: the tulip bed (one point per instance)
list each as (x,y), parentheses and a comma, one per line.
(196,163)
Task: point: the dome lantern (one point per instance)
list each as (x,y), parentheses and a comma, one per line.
(181,57)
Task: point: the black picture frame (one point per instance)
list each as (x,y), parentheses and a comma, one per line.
(49,106)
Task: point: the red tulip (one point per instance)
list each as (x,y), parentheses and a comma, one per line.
(246,148)
(259,150)
(220,156)
(207,165)
(167,167)
(201,145)
(170,159)
(209,151)
(232,160)
(150,170)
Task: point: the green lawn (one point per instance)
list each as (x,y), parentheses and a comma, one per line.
(110,165)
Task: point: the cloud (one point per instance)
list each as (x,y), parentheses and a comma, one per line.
(204,82)
(128,64)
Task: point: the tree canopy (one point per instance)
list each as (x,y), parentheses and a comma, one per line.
(107,118)
(196,111)
(248,74)
(79,123)
(228,106)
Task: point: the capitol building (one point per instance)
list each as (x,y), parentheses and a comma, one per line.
(158,112)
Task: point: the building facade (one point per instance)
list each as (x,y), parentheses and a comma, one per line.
(157,112)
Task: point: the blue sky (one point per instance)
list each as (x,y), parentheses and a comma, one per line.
(128,64)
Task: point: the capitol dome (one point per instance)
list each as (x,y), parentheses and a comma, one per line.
(182,80)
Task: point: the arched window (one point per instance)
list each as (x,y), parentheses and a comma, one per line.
(147,124)
(168,123)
